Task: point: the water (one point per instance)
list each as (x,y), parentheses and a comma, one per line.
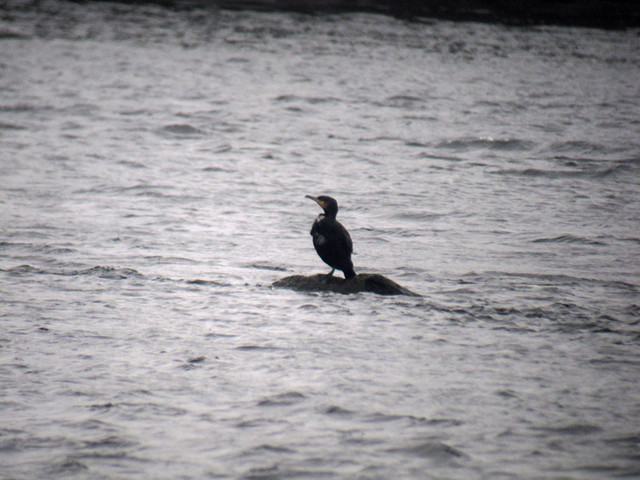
(154,166)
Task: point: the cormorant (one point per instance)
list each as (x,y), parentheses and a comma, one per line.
(330,239)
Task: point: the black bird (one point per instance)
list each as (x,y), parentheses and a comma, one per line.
(330,239)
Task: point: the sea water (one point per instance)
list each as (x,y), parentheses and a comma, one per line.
(153,168)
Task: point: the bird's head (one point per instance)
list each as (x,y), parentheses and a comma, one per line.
(328,204)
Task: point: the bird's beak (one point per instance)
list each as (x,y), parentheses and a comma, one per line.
(315,199)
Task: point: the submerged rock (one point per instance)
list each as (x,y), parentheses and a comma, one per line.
(363,282)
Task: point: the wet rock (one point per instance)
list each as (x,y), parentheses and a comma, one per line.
(363,282)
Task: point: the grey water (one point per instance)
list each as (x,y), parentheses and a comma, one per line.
(153,168)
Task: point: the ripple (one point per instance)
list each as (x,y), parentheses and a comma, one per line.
(216,170)
(113,273)
(308,100)
(402,101)
(433,450)
(68,466)
(220,335)
(282,399)
(265,447)
(11,126)
(571,429)
(257,347)
(12,35)
(24,270)
(276,472)
(181,130)
(266,266)
(103,407)
(560,174)
(199,359)
(581,146)
(199,281)
(568,239)
(410,419)
(336,410)
(24,108)
(475,143)
(109,441)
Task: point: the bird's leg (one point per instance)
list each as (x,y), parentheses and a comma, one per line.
(330,274)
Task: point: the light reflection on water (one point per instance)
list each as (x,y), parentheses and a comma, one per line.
(154,171)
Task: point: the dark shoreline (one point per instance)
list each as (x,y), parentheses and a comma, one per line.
(608,14)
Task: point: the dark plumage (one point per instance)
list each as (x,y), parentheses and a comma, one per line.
(330,239)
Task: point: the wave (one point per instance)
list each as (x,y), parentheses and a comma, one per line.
(378,417)
(565,317)
(568,238)
(11,126)
(401,101)
(106,272)
(337,410)
(199,281)
(250,348)
(24,108)
(549,309)
(12,35)
(579,146)
(193,363)
(37,248)
(434,450)
(97,271)
(474,143)
(264,265)
(283,399)
(181,130)
(574,173)
(559,279)
(265,447)
(68,466)
(571,429)
(307,100)
(131,164)
(198,359)
(611,171)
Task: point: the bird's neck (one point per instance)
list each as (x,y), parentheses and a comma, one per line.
(328,215)
(331,212)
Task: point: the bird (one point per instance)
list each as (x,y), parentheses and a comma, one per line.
(330,239)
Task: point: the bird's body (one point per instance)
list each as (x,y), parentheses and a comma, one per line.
(330,239)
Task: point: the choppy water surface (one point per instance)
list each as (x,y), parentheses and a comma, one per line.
(154,165)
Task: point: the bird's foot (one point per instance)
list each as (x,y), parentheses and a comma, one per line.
(329,275)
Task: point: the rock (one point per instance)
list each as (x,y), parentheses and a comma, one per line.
(363,282)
